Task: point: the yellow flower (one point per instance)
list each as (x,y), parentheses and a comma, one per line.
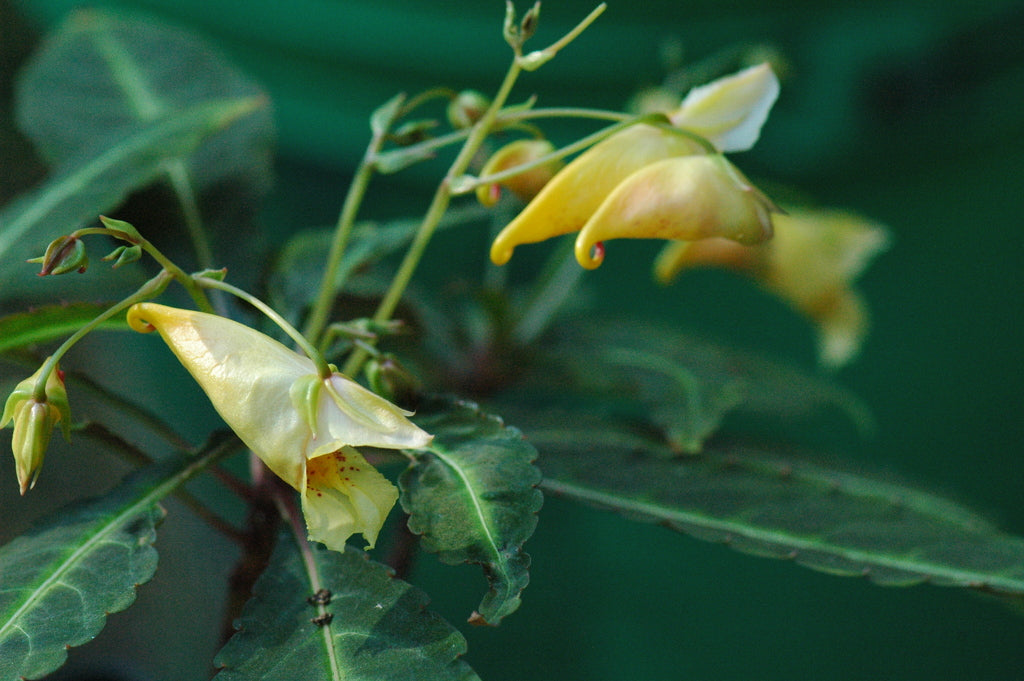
(302,426)
(34,421)
(811,263)
(525,185)
(641,182)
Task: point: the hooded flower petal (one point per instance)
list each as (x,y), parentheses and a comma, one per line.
(566,202)
(811,263)
(730,111)
(343,496)
(283,410)
(684,198)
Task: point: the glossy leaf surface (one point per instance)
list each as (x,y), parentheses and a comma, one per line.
(472,495)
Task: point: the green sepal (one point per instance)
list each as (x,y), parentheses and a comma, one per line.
(305,395)
(64,254)
(123,255)
(125,228)
(386,114)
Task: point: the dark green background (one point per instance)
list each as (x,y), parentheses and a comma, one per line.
(909,112)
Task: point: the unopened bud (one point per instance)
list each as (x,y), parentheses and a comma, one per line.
(125,228)
(391,380)
(466,108)
(63,254)
(34,420)
(122,255)
(526,184)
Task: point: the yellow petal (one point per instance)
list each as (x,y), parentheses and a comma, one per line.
(730,111)
(345,495)
(841,323)
(566,202)
(679,255)
(812,263)
(350,414)
(247,376)
(686,198)
(250,379)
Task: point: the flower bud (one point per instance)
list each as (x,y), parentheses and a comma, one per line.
(387,377)
(34,420)
(466,108)
(64,254)
(526,184)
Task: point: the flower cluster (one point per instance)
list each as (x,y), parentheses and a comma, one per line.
(304,426)
(662,182)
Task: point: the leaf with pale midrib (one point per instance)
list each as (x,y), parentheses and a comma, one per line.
(772,504)
(472,495)
(99,74)
(103,175)
(50,322)
(379,627)
(59,582)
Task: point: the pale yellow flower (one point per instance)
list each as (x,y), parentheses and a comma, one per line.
(812,263)
(302,426)
(648,177)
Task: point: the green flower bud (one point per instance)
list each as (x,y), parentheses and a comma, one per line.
(466,108)
(34,420)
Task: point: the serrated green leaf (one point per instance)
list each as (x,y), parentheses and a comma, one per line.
(98,75)
(683,384)
(372,627)
(61,580)
(51,322)
(102,175)
(472,495)
(773,505)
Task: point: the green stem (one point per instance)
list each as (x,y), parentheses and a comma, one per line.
(179,275)
(178,174)
(182,277)
(438,206)
(323,368)
(150,289)
(317,319)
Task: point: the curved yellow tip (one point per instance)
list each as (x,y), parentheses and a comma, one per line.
(137,316)
(589,255)
(502,248)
